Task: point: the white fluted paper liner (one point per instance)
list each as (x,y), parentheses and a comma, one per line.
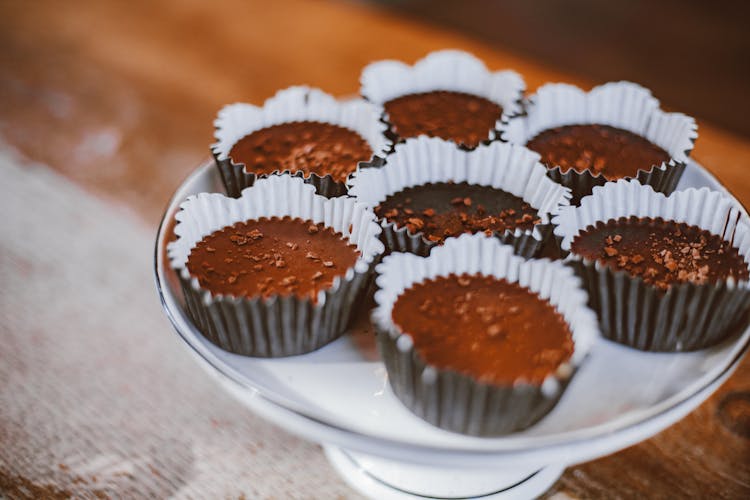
(454,401)
(623,105)
(423,160)
(687,316)
(278,326)
(451,70)
(293,104)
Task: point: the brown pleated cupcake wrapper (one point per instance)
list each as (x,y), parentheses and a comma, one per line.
(426,160)
(623,105)
(293,104)
(688,316)
(279,325)
(450,70)
(457,402)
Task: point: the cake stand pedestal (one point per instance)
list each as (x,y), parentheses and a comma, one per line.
(392,480)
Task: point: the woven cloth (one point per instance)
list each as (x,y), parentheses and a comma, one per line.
(97,395)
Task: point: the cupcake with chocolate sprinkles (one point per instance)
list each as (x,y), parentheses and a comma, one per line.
(430,190)
(302,131)
(615,131)
(449,94)
(665,273)
(477,340)
(278,271)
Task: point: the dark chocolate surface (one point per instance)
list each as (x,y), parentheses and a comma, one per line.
(442,210)
(601,149)
(456,116)
(661,252)
(271,256)
(483,327)
(312,147)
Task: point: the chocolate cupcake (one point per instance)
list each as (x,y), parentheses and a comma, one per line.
(664,273)
(300,130)
(429,190)
(277,271)
(479,341)
(449,94)
(615,131)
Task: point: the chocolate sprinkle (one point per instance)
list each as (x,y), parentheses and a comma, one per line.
(312,147)
(442,210)
(487,328)
(456,116)
(285,252)
(661,252)
(601,149)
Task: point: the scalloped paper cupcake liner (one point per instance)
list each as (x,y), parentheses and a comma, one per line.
(279,325)
(511,168)
(687,316)
(623,105)
(293,104)
(450,70)
(457,402)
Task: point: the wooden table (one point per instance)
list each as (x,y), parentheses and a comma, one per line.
(120,98)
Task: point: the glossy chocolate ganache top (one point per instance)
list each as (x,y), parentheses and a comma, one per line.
(601,149)
(271,256)
(443,209)
(661,252)
(483,327)
(312,147)
(456,116)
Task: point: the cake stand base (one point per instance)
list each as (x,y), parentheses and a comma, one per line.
(391,480)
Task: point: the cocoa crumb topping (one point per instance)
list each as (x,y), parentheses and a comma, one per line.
(278,258)
(661,252)
(435,210)
(310,147)
(600,149)
(463,118)
(487,328)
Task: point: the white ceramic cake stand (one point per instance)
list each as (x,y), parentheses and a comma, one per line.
(339,397)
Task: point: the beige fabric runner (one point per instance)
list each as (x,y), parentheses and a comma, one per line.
(97,395)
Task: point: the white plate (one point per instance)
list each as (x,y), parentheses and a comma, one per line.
(339,395)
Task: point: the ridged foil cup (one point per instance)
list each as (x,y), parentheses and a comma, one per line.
(687,316)
(450,70)
(425,160)
(455,401)
(623,105)
(279,325)
(294,104)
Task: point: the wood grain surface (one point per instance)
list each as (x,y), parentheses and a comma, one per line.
(120,97)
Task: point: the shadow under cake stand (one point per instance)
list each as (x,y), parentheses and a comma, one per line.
(339,397)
